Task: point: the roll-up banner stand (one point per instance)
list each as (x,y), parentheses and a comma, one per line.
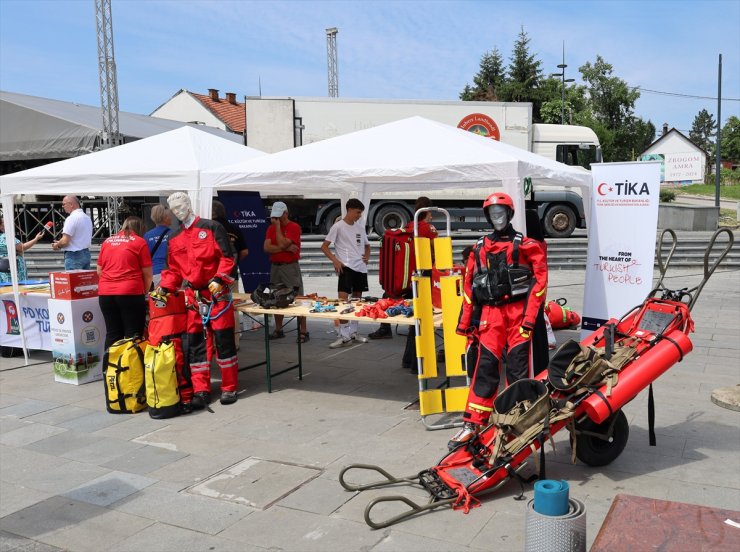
(246,211)
(621,240)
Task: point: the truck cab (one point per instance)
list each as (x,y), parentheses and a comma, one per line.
(560,209)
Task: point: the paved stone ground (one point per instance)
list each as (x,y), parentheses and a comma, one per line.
(262,474)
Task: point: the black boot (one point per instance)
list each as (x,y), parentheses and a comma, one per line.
(201,399)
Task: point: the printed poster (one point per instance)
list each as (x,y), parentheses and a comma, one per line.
(621,240)
(33,313)
(246,211)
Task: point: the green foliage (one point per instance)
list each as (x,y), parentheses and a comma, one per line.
(491,77)
(730,140)
(666,196)
(605,104)
(612,101)
(703,131)
(728,177)
(524,68)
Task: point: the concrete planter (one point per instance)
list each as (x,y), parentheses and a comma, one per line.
(687,217)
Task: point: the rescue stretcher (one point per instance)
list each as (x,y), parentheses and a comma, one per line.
(584,389)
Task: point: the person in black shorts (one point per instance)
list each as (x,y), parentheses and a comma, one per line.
(350,257)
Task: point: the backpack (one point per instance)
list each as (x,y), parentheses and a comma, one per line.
(167,318)
(397,262)
(270,296)
(124,376)
(575,366)
(160,372)
(167,324)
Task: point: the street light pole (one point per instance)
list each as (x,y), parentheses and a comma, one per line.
(562,67)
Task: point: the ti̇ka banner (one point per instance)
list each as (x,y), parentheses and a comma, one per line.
(621,240)
(246,211)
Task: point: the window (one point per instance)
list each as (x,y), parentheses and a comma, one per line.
(578,155)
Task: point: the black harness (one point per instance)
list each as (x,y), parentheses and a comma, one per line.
(498,282)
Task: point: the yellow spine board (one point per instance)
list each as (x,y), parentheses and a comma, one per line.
(423,250)
(424,315)
(454,344)
(443,253)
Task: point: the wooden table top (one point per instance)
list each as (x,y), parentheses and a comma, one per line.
(243,303)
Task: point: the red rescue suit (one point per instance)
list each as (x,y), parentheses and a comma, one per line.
(494,327)
(195,256)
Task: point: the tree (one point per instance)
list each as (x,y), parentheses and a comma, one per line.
(703,131)
(611,104)
(730,140)
(467,94)
(524,76)
(551,107)
(491,77)
(612,101)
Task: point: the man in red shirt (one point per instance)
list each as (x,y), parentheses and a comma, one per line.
(283,244)
(199,255)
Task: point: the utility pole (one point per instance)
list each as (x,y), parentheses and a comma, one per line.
(331,59)
(562,67)
(110,135)
(718,161)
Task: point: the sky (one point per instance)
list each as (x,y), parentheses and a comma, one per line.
(386,49)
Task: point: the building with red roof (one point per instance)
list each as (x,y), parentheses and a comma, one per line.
(209,109)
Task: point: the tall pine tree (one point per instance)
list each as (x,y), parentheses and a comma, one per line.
(489,80)
(524,75)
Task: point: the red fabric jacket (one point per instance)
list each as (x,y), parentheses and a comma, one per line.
(531,255)
(197,255)
(426,230)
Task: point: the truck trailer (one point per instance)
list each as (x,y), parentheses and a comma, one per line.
(279,123)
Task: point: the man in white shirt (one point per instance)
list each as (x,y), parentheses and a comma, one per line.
(350,257)
(76,236)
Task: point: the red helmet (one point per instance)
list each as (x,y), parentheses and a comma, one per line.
(499,198)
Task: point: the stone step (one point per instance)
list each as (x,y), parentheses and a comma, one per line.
(563,254)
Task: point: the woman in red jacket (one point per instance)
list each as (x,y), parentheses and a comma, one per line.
(125,271)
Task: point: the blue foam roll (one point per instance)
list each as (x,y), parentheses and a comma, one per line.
(551,497)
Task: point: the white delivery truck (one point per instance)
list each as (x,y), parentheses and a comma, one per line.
(276,124)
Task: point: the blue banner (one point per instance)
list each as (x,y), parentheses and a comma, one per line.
(246,211)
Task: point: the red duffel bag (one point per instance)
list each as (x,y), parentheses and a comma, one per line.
(560,316)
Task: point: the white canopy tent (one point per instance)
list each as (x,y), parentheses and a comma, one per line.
(164,163)
(411,155)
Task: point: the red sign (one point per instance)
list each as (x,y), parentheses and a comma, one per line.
(481,124)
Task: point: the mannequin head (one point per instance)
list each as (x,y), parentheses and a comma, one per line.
(499,210)
(180,205)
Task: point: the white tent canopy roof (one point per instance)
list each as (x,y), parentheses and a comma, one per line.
(42,128)
(169,161)
(410,155)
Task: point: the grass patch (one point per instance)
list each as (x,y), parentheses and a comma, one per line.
(728,217)
(725,192)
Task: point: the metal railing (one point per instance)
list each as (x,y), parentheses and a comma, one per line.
(31,217)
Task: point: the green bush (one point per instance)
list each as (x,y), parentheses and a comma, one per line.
(728,177)
(666,196)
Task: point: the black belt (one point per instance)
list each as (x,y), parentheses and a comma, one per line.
(283,264)
(78,251)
